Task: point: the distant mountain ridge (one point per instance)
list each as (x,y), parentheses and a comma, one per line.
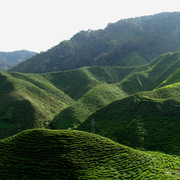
(9,59)
(128,42)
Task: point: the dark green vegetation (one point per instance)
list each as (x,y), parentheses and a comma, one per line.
(9,59)
(123,95)
(47,154)
(137,106)
(128,42)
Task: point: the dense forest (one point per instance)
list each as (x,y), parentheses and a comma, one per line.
(128,42)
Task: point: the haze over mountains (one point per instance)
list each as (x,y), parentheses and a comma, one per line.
(128,92)
(9,59)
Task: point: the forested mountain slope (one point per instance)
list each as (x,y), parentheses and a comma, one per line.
(128,42)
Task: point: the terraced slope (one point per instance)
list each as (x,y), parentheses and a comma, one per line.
(47,154)
(27,101)
(149,120)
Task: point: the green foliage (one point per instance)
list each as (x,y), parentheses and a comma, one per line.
(127,42)
(47,154)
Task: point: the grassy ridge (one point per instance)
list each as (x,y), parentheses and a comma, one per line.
(79,155)
(96,91)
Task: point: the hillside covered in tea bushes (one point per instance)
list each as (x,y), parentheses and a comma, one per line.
(67,154)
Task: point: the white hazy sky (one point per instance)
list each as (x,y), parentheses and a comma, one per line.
(38,25)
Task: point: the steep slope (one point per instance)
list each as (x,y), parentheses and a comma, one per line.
(9,59)
(27,101)
(127,42)
(149,120)
(47,154)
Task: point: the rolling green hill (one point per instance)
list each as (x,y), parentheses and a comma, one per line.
(148,120)
(27,101)
(9,59)
(47,154)
(128,42)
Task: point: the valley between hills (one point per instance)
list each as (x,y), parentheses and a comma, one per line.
(82,112)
